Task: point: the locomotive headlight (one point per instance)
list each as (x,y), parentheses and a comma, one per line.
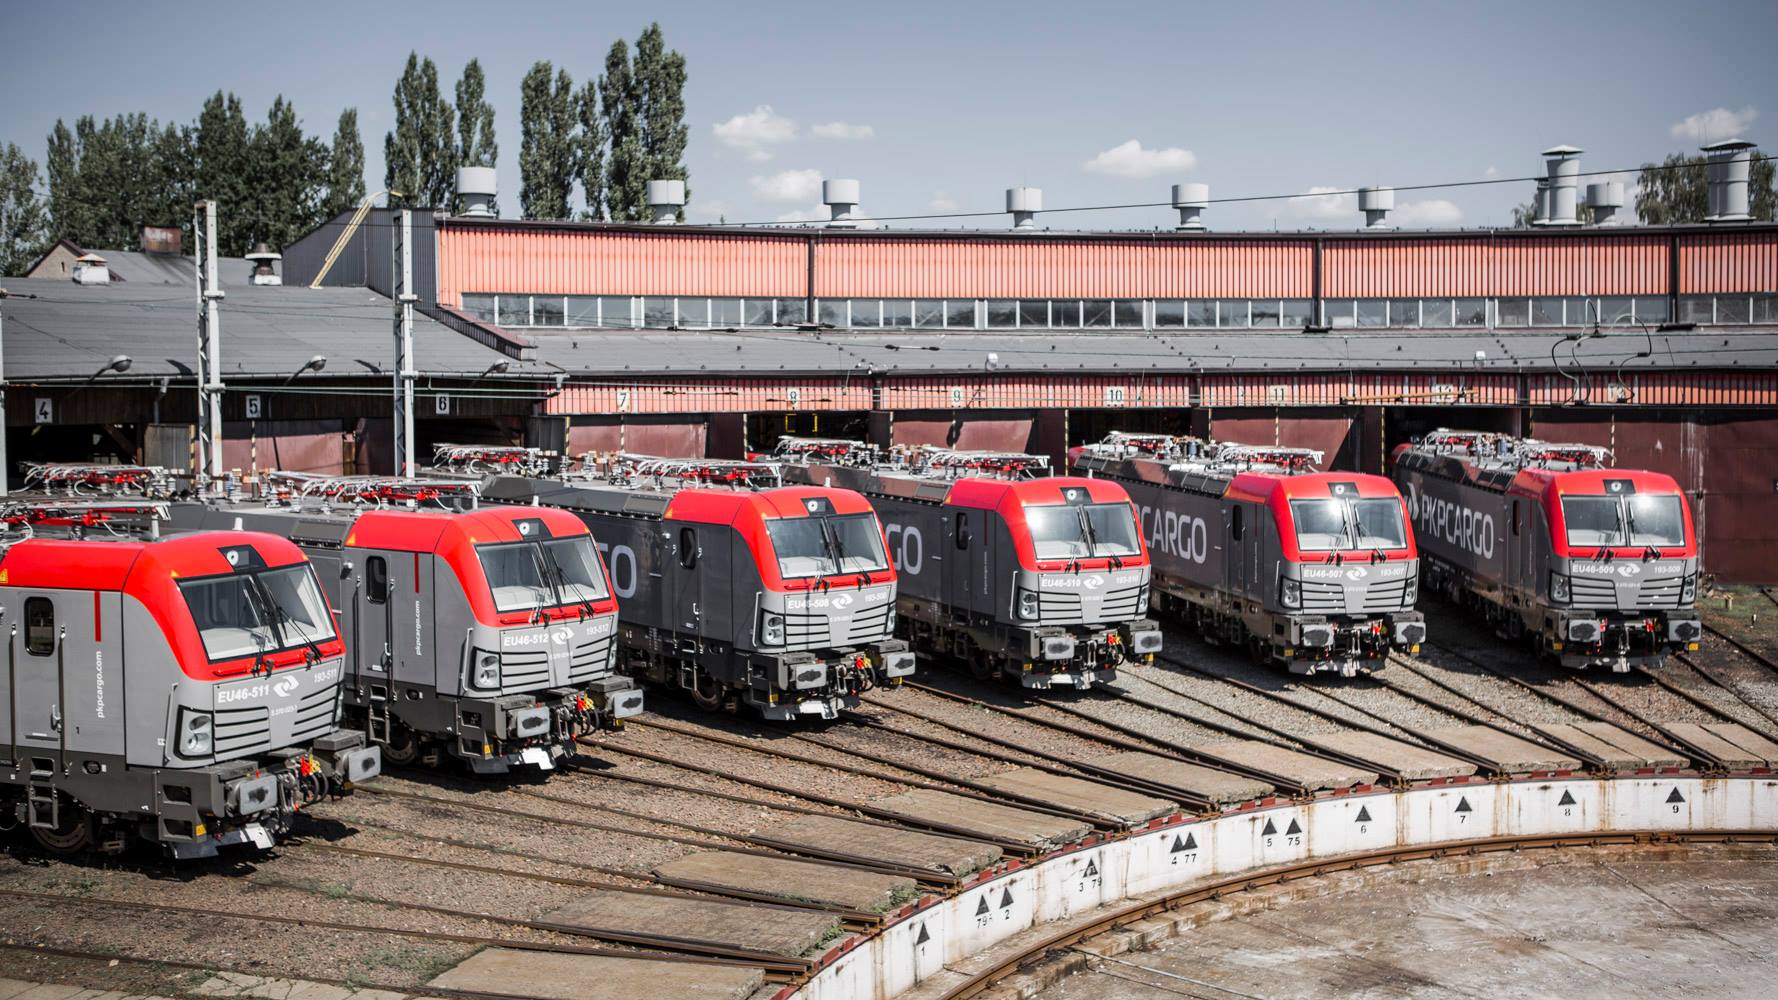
(1558,588)
(1688,591)
(487,671)
(1412,593)
(1028,605)
(196,737)
(771,632)
(1290,591)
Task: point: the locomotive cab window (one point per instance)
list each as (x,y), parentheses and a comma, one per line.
(40,626)
(962,531)
(245,614)
(1655,519)
(376,579)
(1236,525)
(1320,525)
(827,545)
(688,548)
(1595,520)
(1378,523)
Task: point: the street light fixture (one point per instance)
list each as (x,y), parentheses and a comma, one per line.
(314,364)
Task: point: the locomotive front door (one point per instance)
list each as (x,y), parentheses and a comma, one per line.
(35,654)
(369,630)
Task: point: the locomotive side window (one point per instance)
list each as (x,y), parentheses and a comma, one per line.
(1515,517)
(688,548)
(40,626)
(1235,523)
(962,531)
(376,579)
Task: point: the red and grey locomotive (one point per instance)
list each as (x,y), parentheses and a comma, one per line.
(1598,566)
(1014,571)
(1316,571)
(482,631)
(181,690)
(734,587)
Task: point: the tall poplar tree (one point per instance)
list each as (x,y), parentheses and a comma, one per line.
(24,221)
(549,149)
(222,170)
(660,92)
(475,120)
(345,167)
(626,171)
(420,153)
(289,178)
(590,163)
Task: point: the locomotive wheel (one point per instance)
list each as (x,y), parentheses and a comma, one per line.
(403,748)
(710,700)
(981,666)
(74,835)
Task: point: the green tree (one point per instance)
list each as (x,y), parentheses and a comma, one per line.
(1676,191)
(221,149)
(108,179)
(420,153)
(67,210)
(548,144)
(24,219)
(626,171)
(660,90)
(345,167)
(590,164)
(289,176)
(475,120)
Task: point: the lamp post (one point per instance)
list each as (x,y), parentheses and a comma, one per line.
(314,364)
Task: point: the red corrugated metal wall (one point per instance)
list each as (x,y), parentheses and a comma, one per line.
(1484,265)
(1728,262)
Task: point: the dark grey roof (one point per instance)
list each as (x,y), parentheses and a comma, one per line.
(772,351)
(70,330)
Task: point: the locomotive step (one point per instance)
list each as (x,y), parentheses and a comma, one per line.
(905,848)
(1220,787)
(786,932)
(509,972)
(1409,761)
(1081,795)
(1733,744)
(1041,831)
(1313,773)
(804,881)
(1508,753)
(1614,746)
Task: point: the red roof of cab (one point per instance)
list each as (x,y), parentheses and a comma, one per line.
(1010,497)
(1548,486)
(747,511)
(1276,491)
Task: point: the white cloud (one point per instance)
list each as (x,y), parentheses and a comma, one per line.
(1492,171)
(1321,202)
(1433,213)
(787,186)
(942,202)
(841,130)
(754,131)
(1131,160)
(817,214)
(1715,124)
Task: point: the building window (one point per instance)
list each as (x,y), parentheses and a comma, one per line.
(1651,309)
(1034,314)
(547,310)
(1512,312)
(1734,309)
(898,314)
(792,312)
(1617,310)
(582,311)
(929,314)
(1169,314)
(1200,312)
(1264,312)
(833,312)
(725,312)
(1546,312)
(479,306)
(1127,314)
(1065,314)
(1003,314)
(1297,313)
(1339,313)
(1436,314)
(1697,309)
(1095,313)
(960,314)
(694,312)
(1231,312)
(867,312)
(657,313)
(513,310)
(756,312)
(1471,312)
(1404,313)
(1373,312)
(617,311)
(1765,308)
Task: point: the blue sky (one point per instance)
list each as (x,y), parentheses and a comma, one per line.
(941,106)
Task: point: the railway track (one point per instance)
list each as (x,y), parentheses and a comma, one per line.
(978,982)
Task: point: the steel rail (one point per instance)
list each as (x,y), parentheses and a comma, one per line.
(1178,751)
(1532,734)
(980,981)
(1727,686)
(1745,650)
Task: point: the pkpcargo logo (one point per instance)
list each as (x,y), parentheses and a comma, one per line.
(1468,529)
(1175,534)
(285,688)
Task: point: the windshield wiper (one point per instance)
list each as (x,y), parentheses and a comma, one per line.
(280,617)
(562,584)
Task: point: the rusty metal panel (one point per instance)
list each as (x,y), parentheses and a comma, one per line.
(617,262)
(1740,480)
(1728,262)
(718,395)
(671,438)
(1324,431)
(995,433)
(1654,388)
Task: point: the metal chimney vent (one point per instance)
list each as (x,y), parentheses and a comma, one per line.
(1727,164)
(841,198)
(1605,198)
(91,269)
(1563,163)
(665,199)
(1376,203)
(1191,199)
(263,258)
(1024,203)
(476,190)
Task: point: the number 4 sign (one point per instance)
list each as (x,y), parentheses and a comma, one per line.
(46,411)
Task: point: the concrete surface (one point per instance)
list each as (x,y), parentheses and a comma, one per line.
(1220,787)
(914,848)
(1734,745)
(1313,773)
(1577,927)
(595,977)
(1040,830)
(715,921)
(1508,752)
(1081,795)
(1411,762)
(788,879)
(1614,746)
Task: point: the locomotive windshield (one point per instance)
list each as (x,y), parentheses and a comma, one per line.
(827,546)
(1644,519)
(245,614)
(1066,531)
(1333,524)
(524,576)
